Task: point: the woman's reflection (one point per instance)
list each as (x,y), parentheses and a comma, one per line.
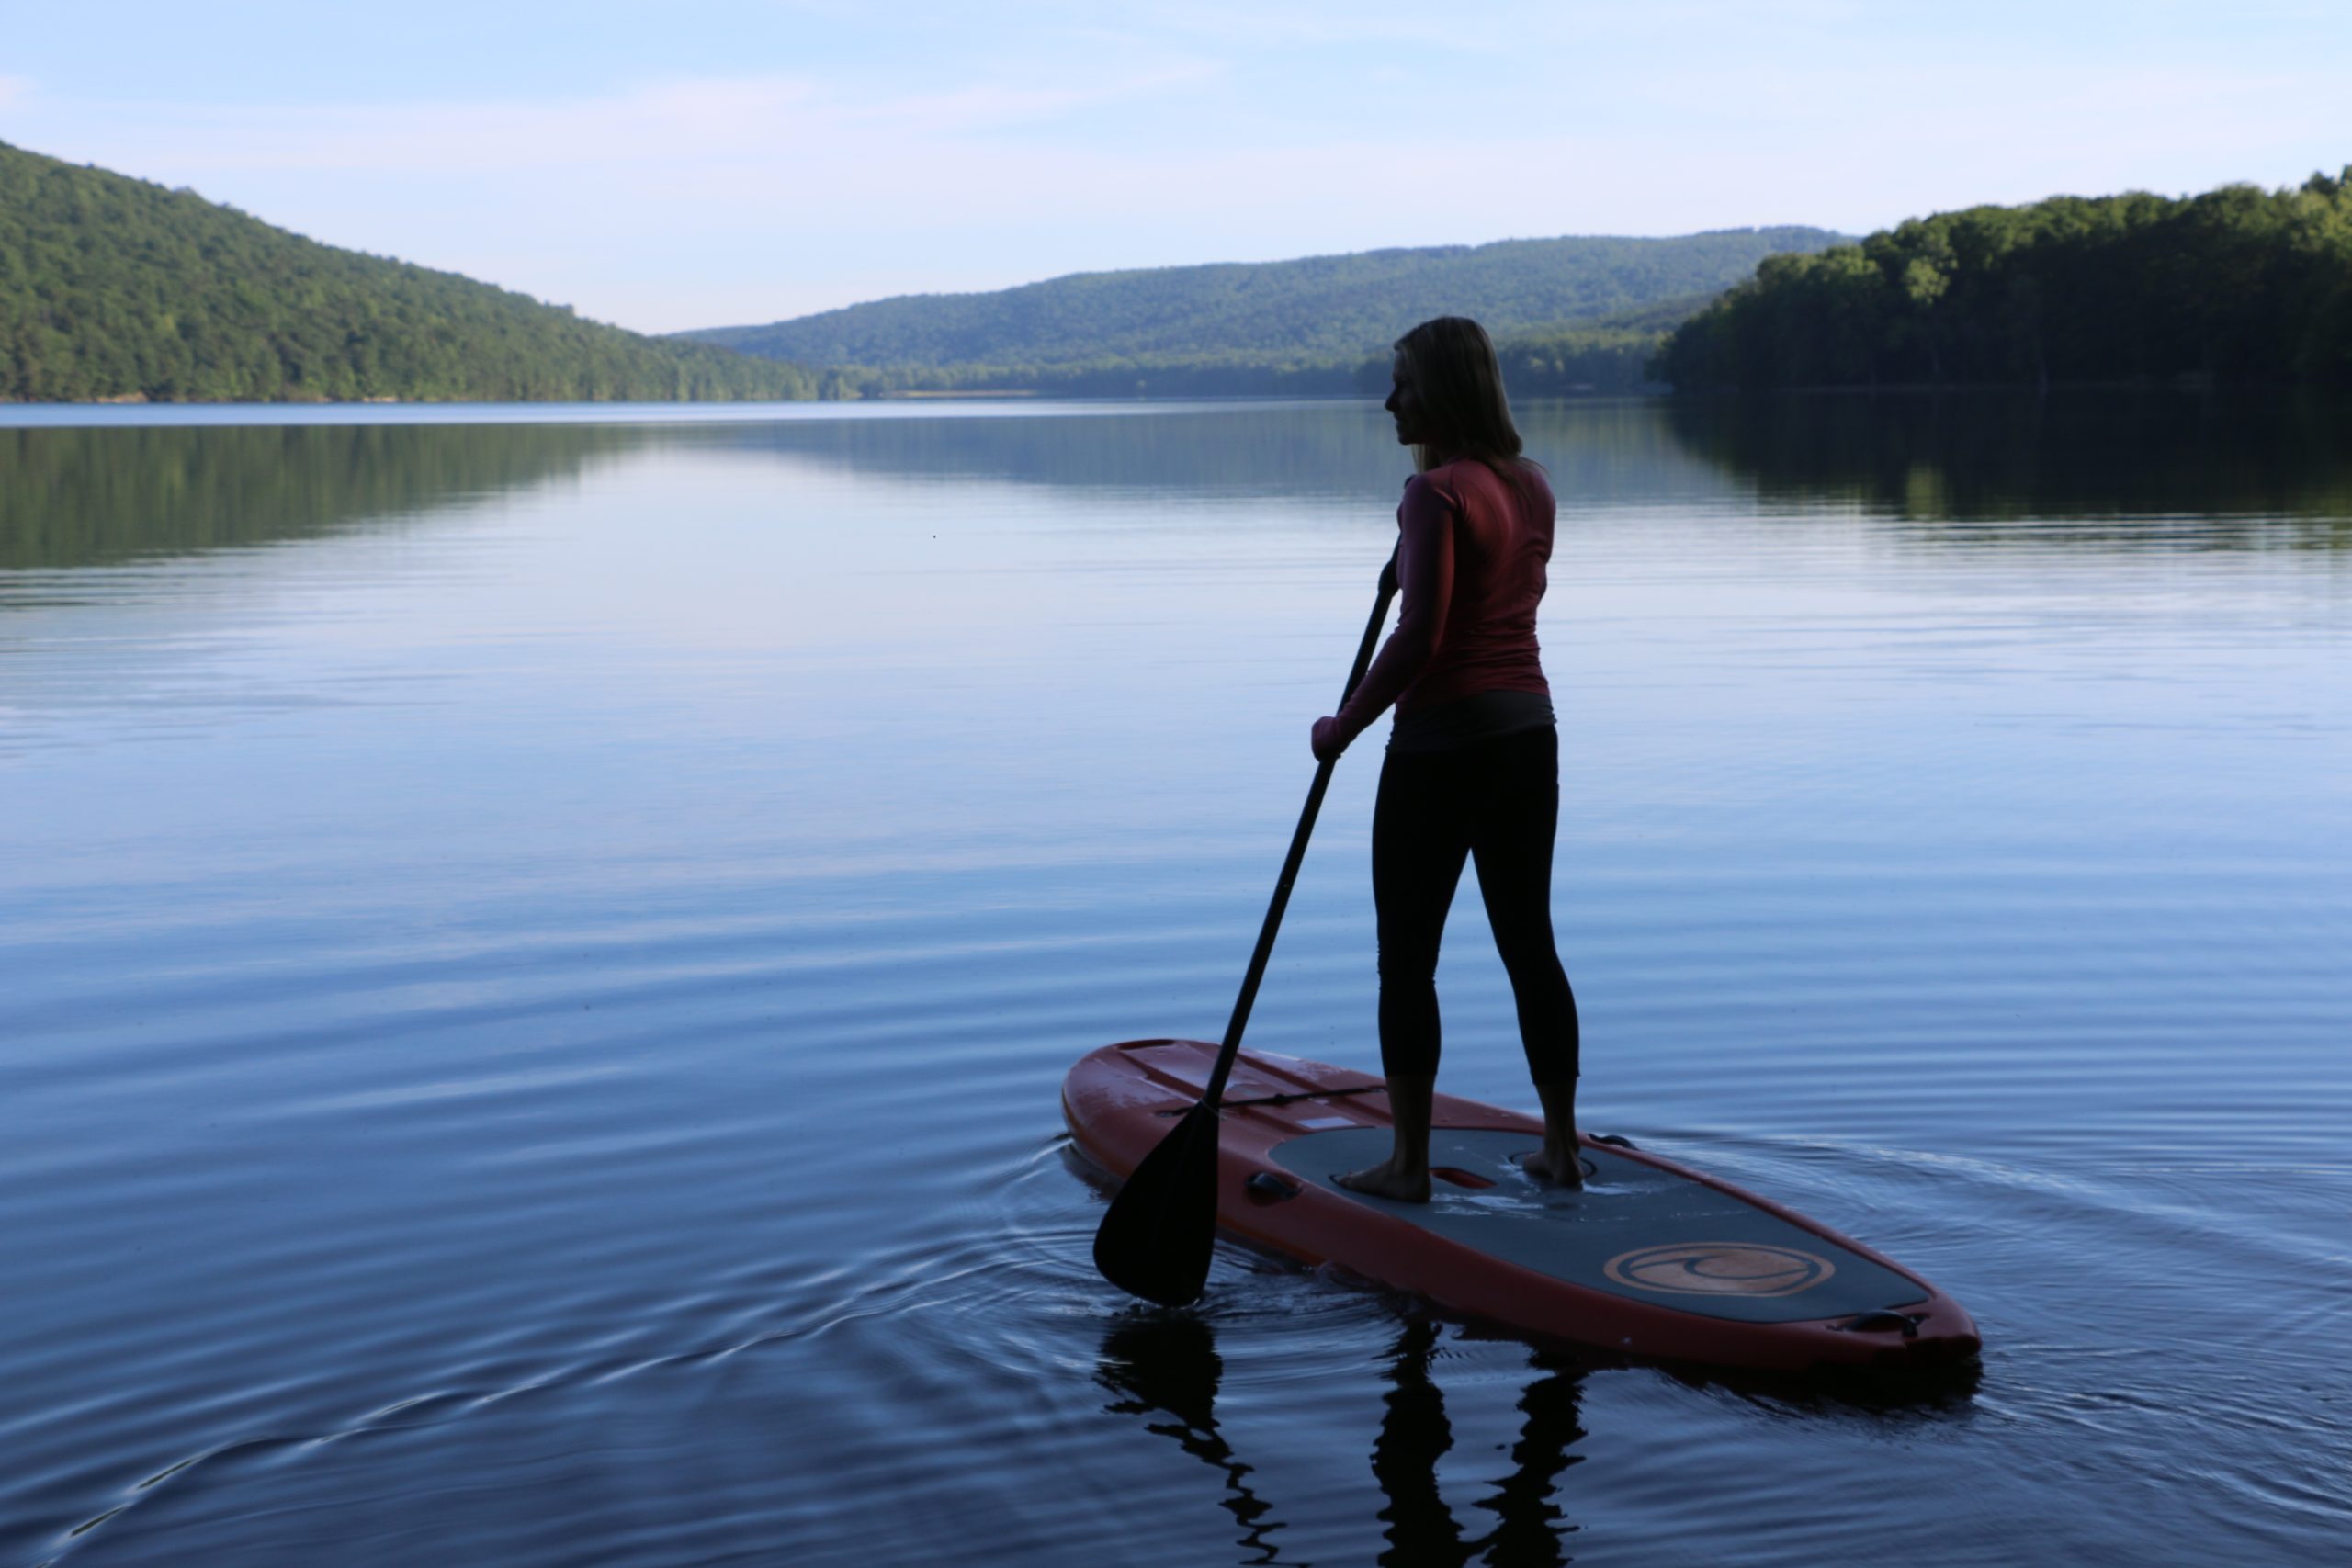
(1415,1434)
(1169,1366)
(1528,1522)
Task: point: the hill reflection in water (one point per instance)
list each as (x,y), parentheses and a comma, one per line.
(2228,472)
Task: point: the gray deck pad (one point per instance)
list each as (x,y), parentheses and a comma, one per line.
(1635,1231)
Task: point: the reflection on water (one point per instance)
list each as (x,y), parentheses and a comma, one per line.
(1343,455)
(1522,1502)
(1165,1369)
(1415,1435)
(2244,468)
(84,497)
(2237,470)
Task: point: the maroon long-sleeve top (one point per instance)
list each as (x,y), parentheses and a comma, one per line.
(1471,554)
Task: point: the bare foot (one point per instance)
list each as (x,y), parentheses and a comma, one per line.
(1388,1179)
(1557,1162)
(1561,1167)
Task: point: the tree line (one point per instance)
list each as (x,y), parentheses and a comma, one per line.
(2238,285)
(1564,362)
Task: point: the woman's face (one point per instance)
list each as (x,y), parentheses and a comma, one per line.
(1404,403)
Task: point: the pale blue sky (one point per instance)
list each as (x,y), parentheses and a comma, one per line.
(707,164)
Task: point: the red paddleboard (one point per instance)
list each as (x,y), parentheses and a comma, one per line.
(1652,1258)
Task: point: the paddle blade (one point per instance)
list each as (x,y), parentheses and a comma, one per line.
(1156,1239)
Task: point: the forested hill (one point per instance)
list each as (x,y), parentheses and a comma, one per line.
(113,288)
(1323,314)
(2238,285)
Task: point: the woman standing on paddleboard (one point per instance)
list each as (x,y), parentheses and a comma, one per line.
(1473,764)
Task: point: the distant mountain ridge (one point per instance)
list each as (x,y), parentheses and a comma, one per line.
(116,288)
(1318,312)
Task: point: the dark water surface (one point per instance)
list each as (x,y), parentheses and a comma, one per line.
(536,958)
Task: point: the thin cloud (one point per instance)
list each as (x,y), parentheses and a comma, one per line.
(715,121)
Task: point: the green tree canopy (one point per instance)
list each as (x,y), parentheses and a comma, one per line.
(116,288)
(2236,285)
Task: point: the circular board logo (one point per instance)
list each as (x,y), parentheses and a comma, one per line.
(1719,1268)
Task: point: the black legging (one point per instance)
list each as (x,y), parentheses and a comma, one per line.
(1498,800)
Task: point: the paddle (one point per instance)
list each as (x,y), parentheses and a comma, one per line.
(1156,1239)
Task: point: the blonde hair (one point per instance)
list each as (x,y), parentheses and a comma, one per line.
(1462,396)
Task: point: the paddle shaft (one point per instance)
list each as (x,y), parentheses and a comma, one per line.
(1157,1237)
(1240,1019)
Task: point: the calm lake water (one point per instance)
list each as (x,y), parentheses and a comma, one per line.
(537,960)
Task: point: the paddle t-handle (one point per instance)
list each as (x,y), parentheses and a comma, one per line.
(1157,1235)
